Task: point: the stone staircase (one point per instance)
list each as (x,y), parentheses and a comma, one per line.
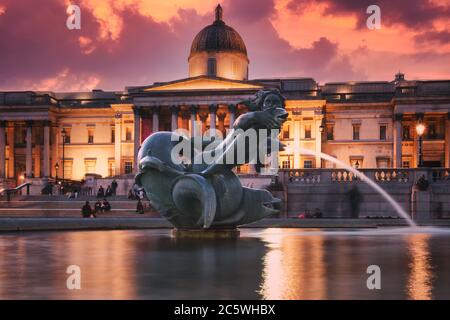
(61,206)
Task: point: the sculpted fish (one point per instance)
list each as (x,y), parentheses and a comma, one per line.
(201,194)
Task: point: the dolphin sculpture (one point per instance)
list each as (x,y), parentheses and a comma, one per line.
(197,194)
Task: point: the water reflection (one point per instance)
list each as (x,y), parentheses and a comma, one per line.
(262,264)
(420,276)
(293,266)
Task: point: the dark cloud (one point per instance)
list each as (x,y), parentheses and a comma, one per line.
(410,13)
(438,37)
(39,46)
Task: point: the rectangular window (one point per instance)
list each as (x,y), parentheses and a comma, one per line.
(89,165)
(406,164)
(66,134)
(90,135)
(406,133)
(68,169)
(128,167)
(330,132)
(356,129)
(286,164)
(212,67)
(383,132)
(111,168)
(307,164)
(128,136)
(286,132)
(307,131)
(113,135)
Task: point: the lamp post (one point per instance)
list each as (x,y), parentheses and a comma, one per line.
(420,129)
(63,134)
(56,172)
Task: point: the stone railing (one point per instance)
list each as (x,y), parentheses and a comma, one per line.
(404,176)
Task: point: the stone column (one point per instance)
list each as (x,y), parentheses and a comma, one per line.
(221,117)
(137,136)
(447,141)
(11,161)
(29,150)
(174,122)
(203,116)
(2,150)
(194,110)
(155,119)
(46,155)
(118,144)
(318,159)
(212,116)
(232,109)
(397,140)
(296,164)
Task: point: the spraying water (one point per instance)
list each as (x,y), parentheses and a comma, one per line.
(365,179)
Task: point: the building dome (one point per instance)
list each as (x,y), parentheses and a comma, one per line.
(219,51)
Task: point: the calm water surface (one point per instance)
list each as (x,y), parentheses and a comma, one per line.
(261,264)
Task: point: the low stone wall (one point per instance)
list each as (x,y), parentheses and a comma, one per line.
(332,191)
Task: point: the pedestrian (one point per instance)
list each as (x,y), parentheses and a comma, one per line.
(114,186)
(140,207)
(98,207)
(101,192)
(106,207)
(86,210)
(108,192)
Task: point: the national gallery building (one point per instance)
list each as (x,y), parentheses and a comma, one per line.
(378,124)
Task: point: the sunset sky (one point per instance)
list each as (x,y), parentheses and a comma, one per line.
(137,42)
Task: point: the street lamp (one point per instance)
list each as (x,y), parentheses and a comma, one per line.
(63,134)
(420,129)
(56,172)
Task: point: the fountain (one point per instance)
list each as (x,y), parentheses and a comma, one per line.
(365,179)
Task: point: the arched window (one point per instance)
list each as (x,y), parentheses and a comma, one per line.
(212,67)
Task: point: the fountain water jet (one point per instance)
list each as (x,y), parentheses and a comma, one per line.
(365,179)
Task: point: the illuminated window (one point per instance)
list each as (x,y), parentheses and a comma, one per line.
(286,132)
(286,164)
(406,164)
(330,132)
(89,165)
(111,167)
(307,164)
(307,131)
(383,132)
(68,164)
(90,135)
(67,135)
(212,67)
(128,135)
(406,133)
(128,167)
(356,130)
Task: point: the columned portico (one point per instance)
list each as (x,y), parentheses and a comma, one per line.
(2,150)
(398,140)
(29,150)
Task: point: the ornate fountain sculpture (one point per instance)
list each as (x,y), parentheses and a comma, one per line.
(209,195)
